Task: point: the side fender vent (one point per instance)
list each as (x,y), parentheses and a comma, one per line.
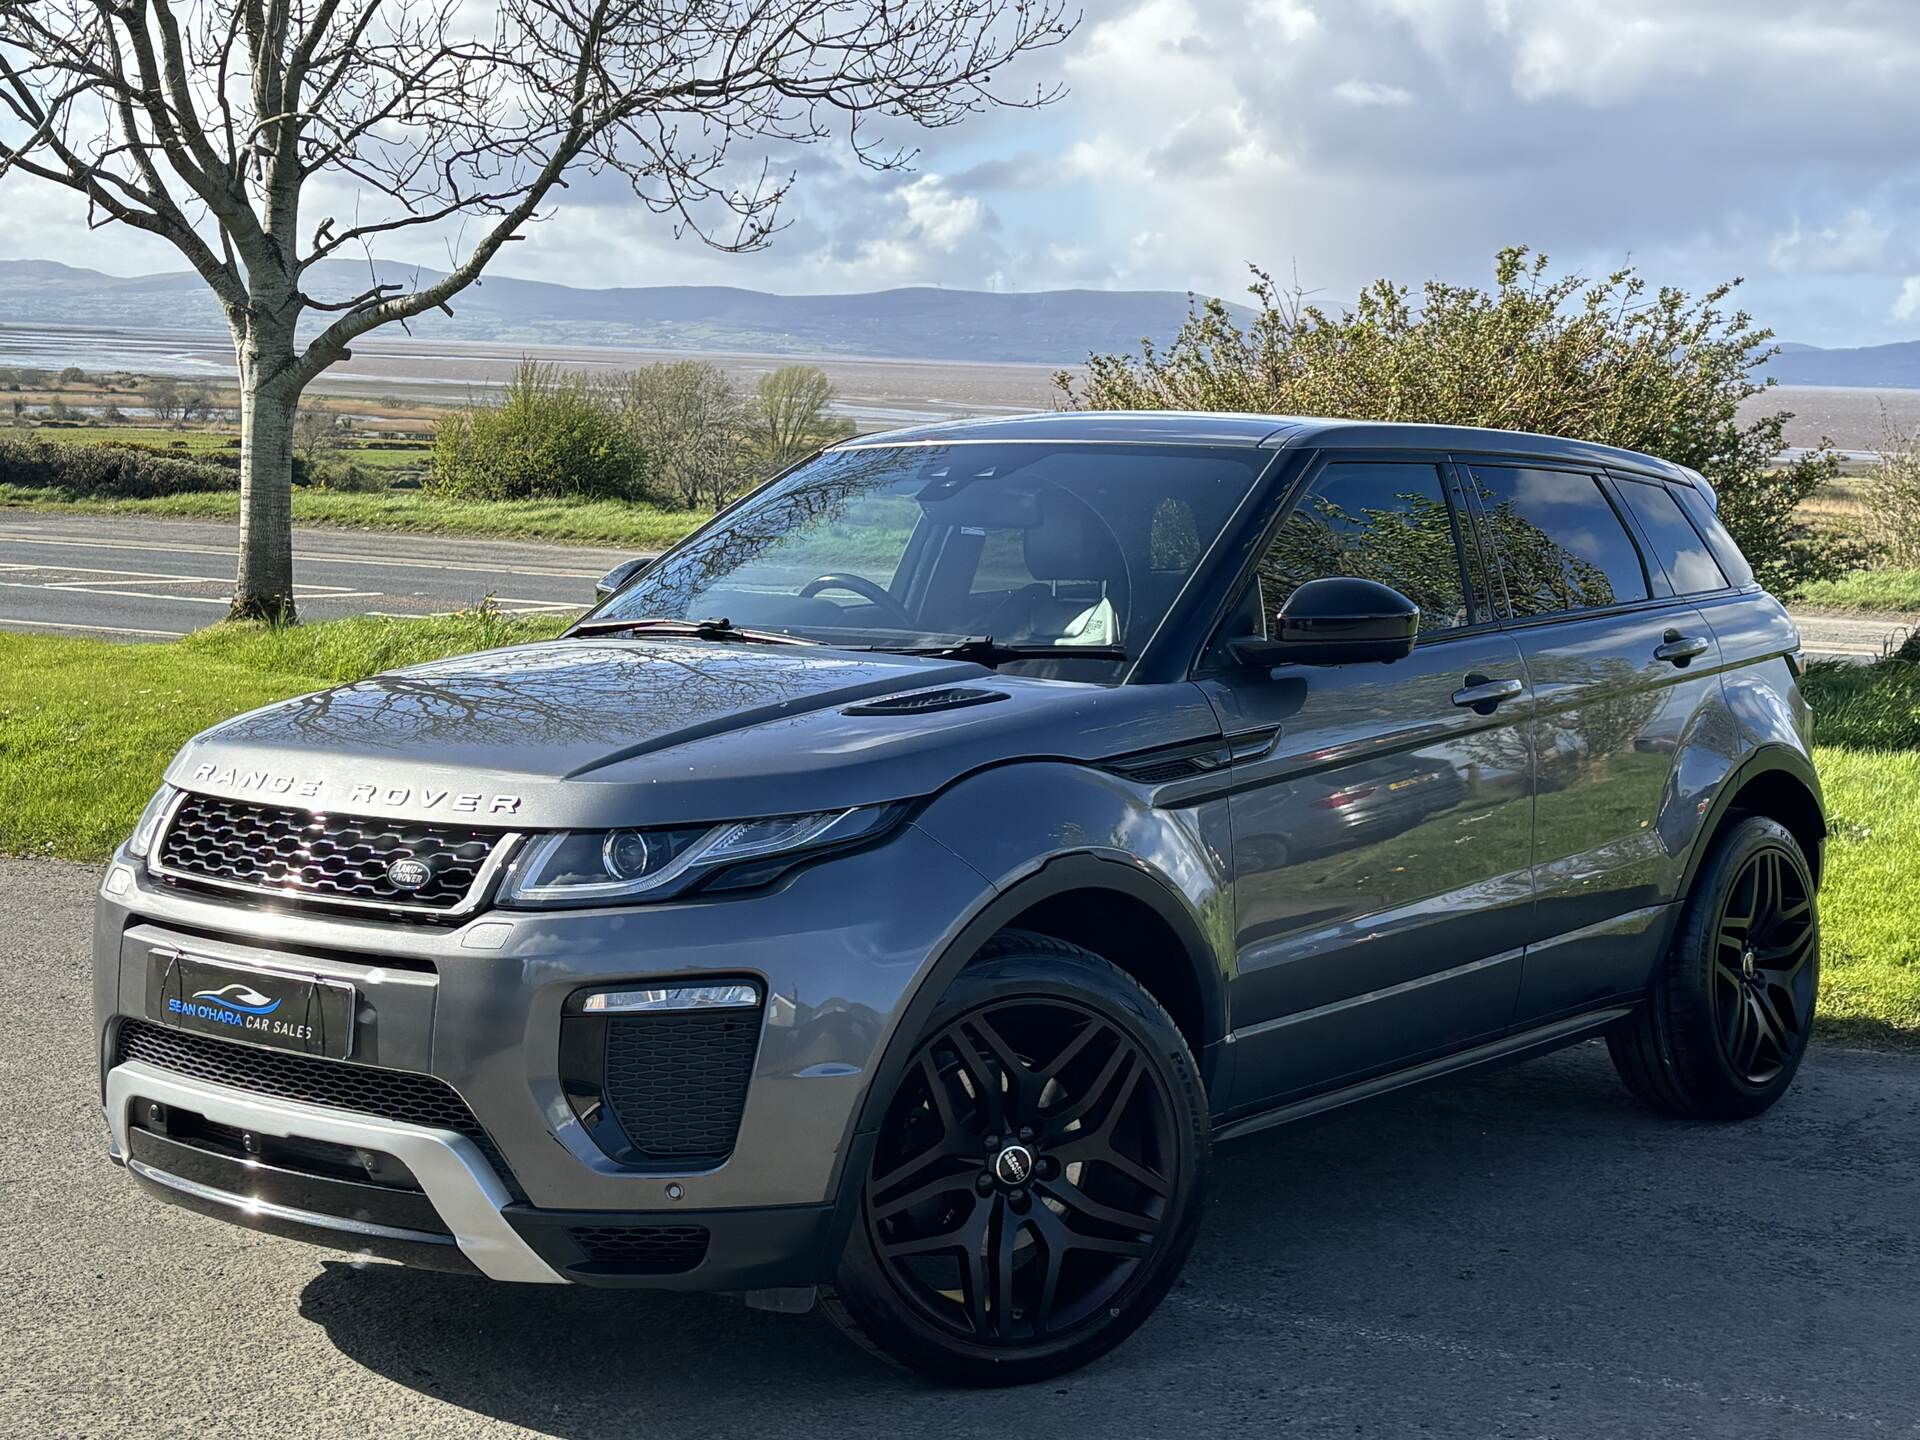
(920,702)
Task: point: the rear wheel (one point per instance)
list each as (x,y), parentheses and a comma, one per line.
(1728,1020)
(1036,1183)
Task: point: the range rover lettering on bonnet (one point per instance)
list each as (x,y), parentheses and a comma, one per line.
(266,782)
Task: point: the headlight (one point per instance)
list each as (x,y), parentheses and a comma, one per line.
(146,831)
(580,867)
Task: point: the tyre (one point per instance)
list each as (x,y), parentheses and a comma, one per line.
(1036,1184)
(1726,1024)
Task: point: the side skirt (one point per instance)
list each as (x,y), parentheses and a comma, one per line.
(1506,1049)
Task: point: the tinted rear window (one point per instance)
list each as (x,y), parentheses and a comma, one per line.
(1732,562)
(1558,541)
(1675,543)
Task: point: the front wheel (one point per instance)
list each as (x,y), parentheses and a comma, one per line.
(1727,1022)
(1036,1183)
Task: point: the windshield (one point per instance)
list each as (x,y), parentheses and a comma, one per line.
(1058,547)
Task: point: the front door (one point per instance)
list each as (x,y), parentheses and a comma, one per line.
(1382,813)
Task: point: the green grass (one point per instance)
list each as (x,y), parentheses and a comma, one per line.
(1889,592)
(578,522)
(87,726)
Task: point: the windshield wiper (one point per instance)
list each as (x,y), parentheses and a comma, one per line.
(985,650)
(713,629)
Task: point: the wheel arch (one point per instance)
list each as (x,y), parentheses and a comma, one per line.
(1780,783)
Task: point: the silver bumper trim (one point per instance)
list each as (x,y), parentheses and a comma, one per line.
(450,1168)
(285,1212)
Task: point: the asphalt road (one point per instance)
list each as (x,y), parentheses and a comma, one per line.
(1525,1254)
(138,578)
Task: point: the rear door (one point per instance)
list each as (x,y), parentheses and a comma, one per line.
(1620,666)
(1381,813)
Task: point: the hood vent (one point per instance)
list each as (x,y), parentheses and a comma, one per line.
(921,702)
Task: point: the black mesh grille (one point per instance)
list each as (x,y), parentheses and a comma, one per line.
(678,1082)
(642,1249)
(327,857)
(387,1094)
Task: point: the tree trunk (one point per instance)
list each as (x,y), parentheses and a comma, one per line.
(263,588)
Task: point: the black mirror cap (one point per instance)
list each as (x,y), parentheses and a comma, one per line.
(1342,620)
(618,576)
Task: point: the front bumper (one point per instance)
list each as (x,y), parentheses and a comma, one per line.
(836,957)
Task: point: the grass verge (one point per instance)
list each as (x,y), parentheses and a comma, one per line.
(1871,592)
(577,522)
(87,726)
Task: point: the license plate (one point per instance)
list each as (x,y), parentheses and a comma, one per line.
(272,1008)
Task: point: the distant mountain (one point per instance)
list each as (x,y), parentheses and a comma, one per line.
(1874,367)
(1044,326)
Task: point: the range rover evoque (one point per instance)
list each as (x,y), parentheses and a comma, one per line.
(890,894)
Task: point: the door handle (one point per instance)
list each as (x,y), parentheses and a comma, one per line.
(1678,649)
(1483,696)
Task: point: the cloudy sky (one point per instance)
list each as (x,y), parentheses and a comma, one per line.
(1337,140)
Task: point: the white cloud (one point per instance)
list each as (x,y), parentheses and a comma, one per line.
(1371,93)
(1907,307)
(1293,21)
(1851,244)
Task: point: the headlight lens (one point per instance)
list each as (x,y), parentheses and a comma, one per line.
(147,830)
(577,867)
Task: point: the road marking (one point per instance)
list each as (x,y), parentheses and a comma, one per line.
(94,629)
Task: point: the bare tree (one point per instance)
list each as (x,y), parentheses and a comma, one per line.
(692,425)
(162,394)
(213,123)
(789,412)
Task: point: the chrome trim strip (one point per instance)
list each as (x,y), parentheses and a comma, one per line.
(285,1212)
(497,860)
(456,1177)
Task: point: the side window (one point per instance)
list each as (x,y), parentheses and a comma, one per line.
(1675,543)
(1557,541)
(1386,522)
(1732,562)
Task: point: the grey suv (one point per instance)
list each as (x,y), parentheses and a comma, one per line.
(892,892)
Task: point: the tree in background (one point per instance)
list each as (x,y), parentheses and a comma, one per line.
(162,394)
(260,139)
(692,422)
(789,416)
(1612,361)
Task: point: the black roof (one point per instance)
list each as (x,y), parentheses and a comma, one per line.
(1192,427)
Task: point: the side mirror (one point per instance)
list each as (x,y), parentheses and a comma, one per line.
(1337,621)
(616,577)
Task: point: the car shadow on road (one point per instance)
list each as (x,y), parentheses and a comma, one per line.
(1474,1213)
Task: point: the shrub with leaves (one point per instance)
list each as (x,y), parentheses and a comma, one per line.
(116,472)
(551,435)
(1613,361)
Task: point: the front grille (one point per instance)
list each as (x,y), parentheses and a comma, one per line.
(337,1084)
(677,1083)
(642,1249)
(323,857)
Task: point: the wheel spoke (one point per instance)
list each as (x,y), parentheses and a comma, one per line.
(1116,1071)
(1781,1030)
(942,1097)
(988,1093)
(965,1236)
(1020,1087)
(1081,1203)
(1003,1239)
(1093,1150)
(955,1181)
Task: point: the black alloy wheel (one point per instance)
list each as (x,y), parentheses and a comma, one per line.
(1034,1185)
(1726,1023)
(1765,969)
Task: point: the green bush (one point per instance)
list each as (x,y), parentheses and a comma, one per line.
(108,472)
(1612,361)
(552,435)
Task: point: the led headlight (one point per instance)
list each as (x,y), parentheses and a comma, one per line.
(576,867)
(147,831)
